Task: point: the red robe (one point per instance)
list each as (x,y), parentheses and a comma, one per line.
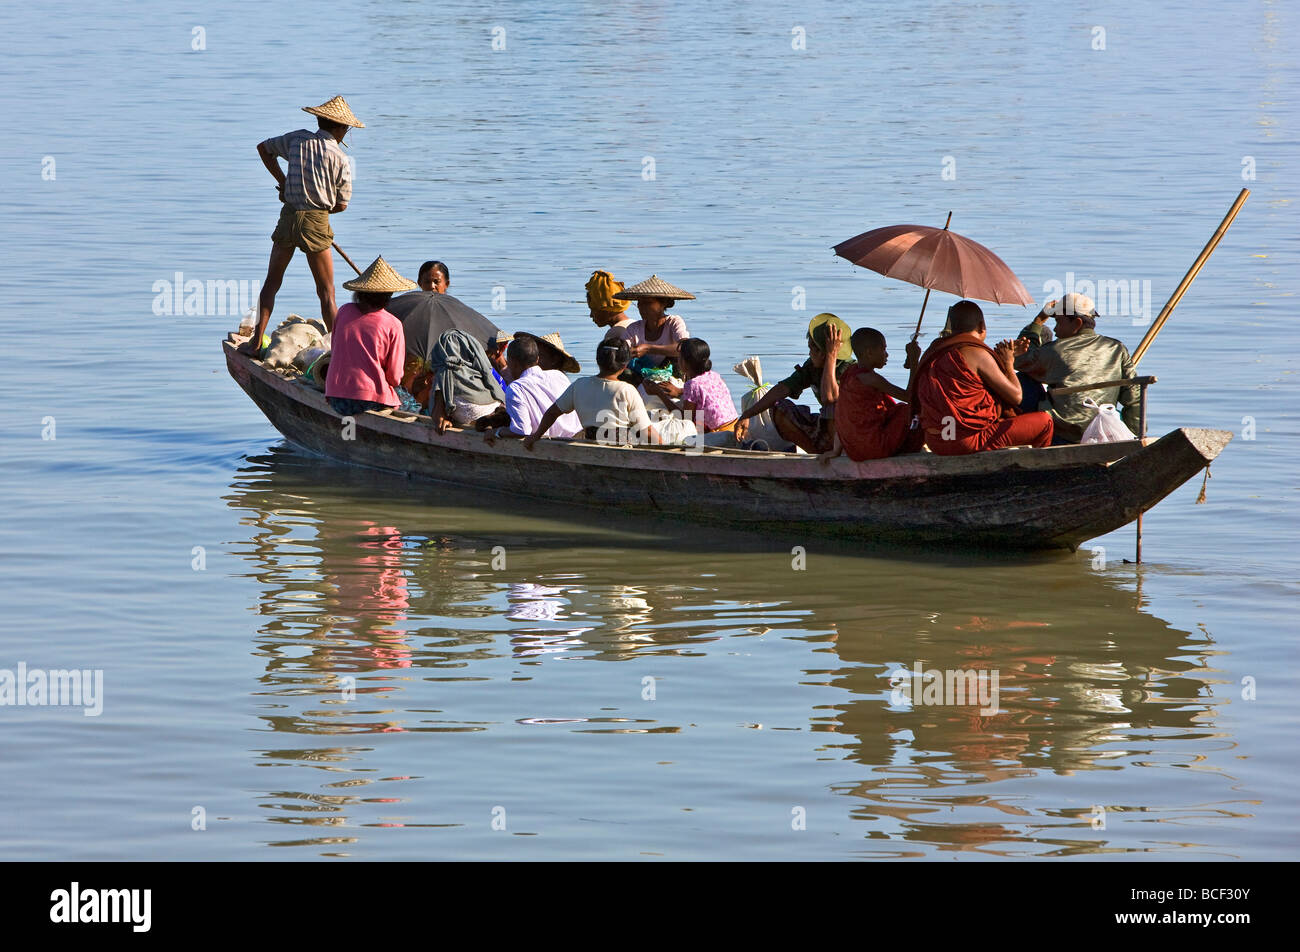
(958,413)
(871,424)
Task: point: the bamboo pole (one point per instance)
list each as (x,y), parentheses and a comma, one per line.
(1142,435)
(334,245)
(345,257)
(917,332)
(1190,276)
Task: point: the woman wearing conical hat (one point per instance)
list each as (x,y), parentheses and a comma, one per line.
(369,344)
(317,184)
(654,339)
(607,311)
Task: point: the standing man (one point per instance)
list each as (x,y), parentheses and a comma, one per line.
(317,184)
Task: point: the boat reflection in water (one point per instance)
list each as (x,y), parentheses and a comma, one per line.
(391,609)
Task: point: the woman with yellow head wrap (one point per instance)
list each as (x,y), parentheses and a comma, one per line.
(606,311)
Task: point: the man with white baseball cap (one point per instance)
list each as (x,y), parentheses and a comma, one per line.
(1078,356)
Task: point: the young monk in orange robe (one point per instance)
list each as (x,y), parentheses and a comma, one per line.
(870,423)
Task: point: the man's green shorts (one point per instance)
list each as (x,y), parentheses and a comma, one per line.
(306,230)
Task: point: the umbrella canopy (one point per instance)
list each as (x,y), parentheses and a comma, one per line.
(936,259)
(427,315)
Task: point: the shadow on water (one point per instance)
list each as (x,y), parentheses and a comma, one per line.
(370,585)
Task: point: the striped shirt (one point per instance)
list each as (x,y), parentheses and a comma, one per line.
(319,175)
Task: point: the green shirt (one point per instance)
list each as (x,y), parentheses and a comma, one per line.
(1087,357)
(1038,334)
(809,374)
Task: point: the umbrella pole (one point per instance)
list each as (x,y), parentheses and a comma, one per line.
(917,333)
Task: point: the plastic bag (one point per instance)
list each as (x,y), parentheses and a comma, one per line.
(761,427)
(1106,426)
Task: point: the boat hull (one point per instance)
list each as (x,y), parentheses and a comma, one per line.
(1020,499)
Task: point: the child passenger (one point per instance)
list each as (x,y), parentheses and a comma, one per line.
(870,422)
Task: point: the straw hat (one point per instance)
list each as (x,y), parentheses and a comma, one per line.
(570,365)
(379,277)
(653,287)
(501,337)
(336,110)
(820,325)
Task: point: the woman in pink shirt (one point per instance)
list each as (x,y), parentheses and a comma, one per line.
(704,396)
(369,347)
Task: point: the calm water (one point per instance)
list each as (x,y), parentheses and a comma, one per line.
(347,674)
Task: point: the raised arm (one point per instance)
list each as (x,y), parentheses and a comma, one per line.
(830,389)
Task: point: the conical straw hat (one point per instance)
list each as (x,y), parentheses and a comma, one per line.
(379,277)
(654,287)
(571,365)
(336,110)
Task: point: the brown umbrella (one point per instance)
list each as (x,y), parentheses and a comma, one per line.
(936,259)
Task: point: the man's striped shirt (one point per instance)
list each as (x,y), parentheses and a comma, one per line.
(319,175)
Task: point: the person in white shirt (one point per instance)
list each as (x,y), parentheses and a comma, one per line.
(531,393)
(607,408)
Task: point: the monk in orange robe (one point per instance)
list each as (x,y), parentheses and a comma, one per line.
(967,392)
(870,423)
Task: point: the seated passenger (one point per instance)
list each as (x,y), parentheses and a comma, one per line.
(463,386)
(704,396)
(369,346)
(495,347)
(609,409)
(870,423)
(551,355)
(654,338)
(528,396)
(434,276)
(606,310)
(1078,356)
(966,392)
(813,432)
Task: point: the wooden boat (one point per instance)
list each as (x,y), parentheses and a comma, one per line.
(1016,498)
